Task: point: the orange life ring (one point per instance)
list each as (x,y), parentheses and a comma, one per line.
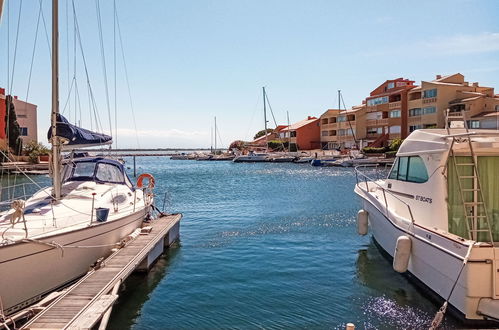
(140,180)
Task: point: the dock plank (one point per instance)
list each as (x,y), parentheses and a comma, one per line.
(83,305)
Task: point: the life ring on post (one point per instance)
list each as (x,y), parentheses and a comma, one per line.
(149,177)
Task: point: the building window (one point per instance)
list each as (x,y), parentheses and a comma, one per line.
(473,124)
(394,129)
(325,133)
(410,169)
(374,130)
(292,134)
(374,115)
(24,131)
(341,119)
(430,126)
(414,112)
(415,127)
(429,110)
(21,116)
(391,85)
(429,93)
(395,114)
(377,100)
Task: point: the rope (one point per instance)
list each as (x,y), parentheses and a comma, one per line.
(439,316)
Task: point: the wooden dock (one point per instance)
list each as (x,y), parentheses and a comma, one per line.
(88,302)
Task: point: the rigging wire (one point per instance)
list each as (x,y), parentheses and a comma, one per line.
(126,76)
(46,33)
(92,103)
(273,117)
(114,62)
(349,123)
(103,57)
(70,81)
(15,47)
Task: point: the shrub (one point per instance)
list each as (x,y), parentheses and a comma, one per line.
(373,150)
(33,150)
(395,144)
(262,133)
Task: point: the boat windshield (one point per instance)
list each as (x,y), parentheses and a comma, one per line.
(102,172)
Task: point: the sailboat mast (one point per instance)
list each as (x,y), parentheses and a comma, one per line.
(265,119)
(215,134)
(289,133)
(56,152)
(211,137)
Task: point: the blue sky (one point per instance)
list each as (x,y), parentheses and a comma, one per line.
(189,61)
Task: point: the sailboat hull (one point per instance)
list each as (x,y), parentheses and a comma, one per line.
(30,270)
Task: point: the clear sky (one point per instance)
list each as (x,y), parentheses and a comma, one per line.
(189,61)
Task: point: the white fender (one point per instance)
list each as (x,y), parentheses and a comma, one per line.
(362,222)
(402,254)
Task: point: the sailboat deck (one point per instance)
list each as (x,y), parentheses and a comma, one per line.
(84,304)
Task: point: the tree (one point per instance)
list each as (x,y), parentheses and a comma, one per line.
(262,133)
(12,129)
(238,144)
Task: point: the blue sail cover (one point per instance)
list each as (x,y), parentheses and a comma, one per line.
(77,137)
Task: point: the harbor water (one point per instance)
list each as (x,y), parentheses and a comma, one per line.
(263,245)
(266,246)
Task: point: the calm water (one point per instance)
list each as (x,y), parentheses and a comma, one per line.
(266,246)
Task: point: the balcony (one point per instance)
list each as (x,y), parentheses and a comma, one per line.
(394,105)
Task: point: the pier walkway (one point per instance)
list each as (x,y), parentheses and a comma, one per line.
(89,301)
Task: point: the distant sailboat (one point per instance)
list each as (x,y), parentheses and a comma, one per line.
(253,157)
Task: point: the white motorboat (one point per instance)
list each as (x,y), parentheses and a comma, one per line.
(437,215)
(252,157)
(53,237)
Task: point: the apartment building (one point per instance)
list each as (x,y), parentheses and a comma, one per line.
(26,118)
(429,102)
(343,128)
(387,111)
(304,135)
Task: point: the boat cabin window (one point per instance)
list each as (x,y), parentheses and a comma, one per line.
(83,170)
(109,173)
(94,171)
(410,169)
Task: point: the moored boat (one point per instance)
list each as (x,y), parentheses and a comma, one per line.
(437,216)
(53,237)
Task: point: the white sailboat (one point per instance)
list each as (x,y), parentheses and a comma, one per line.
(437,215)
(53,237)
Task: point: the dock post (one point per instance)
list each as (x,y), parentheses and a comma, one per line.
(134,168)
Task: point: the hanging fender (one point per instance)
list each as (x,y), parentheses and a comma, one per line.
(149,177)
(402,254)
(362,222)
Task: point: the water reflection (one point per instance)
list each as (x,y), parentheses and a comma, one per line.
(393,300)
(138,288)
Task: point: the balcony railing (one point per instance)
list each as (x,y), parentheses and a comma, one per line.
(430,100)
(394,105)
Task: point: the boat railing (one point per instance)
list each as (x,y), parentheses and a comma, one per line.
(364,179)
